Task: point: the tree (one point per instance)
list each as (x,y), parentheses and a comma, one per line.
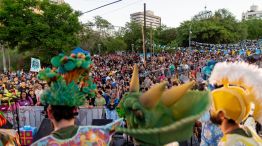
(114,44)
(103,26)
(254,28)
(166,36)
(43,28)
(89,38)
(133,35)
(220,28)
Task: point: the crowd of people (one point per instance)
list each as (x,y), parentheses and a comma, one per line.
(112,73)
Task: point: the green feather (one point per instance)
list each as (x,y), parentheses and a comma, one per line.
(69,66)
(56,61)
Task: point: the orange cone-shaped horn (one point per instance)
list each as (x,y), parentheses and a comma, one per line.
(134,83)
(150,98)
(172,95)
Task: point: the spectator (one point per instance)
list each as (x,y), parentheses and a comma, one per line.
(38,93)
(100,100)
(111,106)
(25,100)
(33,96)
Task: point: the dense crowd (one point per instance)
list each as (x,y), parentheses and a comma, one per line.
(112,74)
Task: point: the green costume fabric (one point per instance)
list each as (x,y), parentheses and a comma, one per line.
(65,133)
(165,125)
(242,131)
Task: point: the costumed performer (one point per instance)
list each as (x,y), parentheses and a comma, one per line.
(231,103)
(69,84)
(159,116)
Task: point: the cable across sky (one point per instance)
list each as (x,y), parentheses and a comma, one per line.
(101,7)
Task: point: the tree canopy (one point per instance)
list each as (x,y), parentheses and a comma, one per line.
(38,26)
(42,29)
(220,28)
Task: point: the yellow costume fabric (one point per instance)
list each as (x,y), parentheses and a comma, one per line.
(240,140)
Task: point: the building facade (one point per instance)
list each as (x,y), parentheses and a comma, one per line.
(253,13)
(151,19)
(58,1)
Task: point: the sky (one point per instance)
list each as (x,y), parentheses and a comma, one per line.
(172,12)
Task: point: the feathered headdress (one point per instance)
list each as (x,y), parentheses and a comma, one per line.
(242,84)
(69,80)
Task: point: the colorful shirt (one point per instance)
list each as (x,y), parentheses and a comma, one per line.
(241,137)
(100,101)
(25,102)
(211,134)
(84,136)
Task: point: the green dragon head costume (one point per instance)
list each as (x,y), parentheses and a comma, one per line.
(161,116)
(69,80)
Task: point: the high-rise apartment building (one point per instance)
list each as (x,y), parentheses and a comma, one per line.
(151,19)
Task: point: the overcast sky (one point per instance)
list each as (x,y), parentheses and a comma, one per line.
(172,12)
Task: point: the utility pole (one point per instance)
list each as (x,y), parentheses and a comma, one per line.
(144,28)
(151,39)
(144,49)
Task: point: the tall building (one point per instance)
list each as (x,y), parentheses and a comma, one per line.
(151,19)
(253,13)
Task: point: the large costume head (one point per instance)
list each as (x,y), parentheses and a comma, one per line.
(160,116)
(241,87)
(69,82)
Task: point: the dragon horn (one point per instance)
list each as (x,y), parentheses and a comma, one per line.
(172,95)
(134,83)
(150,98)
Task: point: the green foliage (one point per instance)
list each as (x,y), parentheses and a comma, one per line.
(133,35)
(114,44)
(222,27)
(102,23)
(89,38)
(165,36)
(100,38)
(161,122)
(254,28)
(38,26)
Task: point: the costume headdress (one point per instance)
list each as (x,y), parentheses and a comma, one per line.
(242,85)
(69,80)
(161,116)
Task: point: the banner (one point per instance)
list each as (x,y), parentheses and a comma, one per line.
(35,65)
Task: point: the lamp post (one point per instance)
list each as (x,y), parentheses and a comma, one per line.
(132,45)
